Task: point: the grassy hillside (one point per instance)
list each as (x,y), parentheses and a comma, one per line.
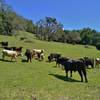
(42,80)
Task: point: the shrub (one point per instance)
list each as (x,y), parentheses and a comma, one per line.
(98,46)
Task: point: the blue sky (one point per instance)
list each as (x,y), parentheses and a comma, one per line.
(73,14)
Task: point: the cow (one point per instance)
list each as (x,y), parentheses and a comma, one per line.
(88,61)
(97,62)
(19,49)
(62,59)
(53,57)
(73,65)
(29,55)
(8,48)
(4,44)
(38,53)
(10,53)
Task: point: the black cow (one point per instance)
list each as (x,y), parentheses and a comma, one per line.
(29,55)
(61,59)
(53,57)
(8,48)
(4,44)
(74,65)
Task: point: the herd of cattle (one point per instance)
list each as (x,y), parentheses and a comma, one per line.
(68,64)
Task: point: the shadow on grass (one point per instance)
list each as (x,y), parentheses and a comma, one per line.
(6,60)
(24,61)
(64,78)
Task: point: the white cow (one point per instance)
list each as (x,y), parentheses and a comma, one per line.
(38,53)
(10,53)
(97,62)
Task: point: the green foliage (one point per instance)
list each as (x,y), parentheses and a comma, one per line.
(47,29)
(98,46)
(10,21)
(87,35)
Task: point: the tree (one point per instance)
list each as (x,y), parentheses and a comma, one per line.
(48,28)
(5,20)
(87,35)
(98,45)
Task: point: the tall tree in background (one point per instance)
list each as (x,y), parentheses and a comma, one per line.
(48,28)
(10,21)
(87,35)
(5,20)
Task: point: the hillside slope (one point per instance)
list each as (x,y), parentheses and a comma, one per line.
(41,80)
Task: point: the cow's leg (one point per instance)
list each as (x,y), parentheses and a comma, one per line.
(27,59)
(30,59)
(98,64)
(15,58)
(66,73)
(85,75)
(57,64)
(12,58)
(3,56)
(80,73)
(42,57)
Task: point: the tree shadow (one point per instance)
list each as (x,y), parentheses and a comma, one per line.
(64,78)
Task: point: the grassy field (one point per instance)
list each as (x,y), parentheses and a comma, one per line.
(41,80)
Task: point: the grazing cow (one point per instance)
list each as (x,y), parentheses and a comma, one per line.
(38,53)
(29,55)
(74,65)
(10,53)
(4,44)
(53,57)
(97,62)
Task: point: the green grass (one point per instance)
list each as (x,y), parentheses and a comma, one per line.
(42,80)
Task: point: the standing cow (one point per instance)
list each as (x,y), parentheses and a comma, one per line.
(97,62)
(10,53)
(38,53)
(29,55)
(74,65)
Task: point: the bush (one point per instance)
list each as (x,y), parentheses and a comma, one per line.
(98,46)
